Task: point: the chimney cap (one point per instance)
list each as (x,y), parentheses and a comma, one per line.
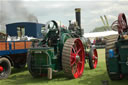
(77,9)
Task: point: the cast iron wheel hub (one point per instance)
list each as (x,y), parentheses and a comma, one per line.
(77,58)
(1,69)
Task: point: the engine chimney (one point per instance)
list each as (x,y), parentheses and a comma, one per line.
(78,16)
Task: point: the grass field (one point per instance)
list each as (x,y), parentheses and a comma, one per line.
(90,77)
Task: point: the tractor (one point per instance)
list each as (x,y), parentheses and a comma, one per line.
(116,49)
(61,49)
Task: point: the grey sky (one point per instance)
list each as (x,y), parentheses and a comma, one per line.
(63,11)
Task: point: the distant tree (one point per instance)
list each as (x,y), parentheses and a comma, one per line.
(101,29)
(3,31)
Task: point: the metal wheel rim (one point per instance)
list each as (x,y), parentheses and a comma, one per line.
(77,58)
(95,58)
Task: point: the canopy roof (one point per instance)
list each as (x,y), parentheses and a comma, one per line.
(99,34)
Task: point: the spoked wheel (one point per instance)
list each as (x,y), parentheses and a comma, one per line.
(73,57)
(5,68)
(93,58)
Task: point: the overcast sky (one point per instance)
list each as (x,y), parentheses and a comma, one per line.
(63,11)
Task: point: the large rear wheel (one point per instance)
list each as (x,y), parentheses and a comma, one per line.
(5,68)
(110,44)
(73,57)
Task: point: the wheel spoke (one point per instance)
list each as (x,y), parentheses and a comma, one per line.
(93,58)
(78,68)
(74,69)
(73,63)
(73,59)
(96,57)
(93,61)
(80,62)
(74,51)
(73,55)
(2,74)
(78,51)
(75,47)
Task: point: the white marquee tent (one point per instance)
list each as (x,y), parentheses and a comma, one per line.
(99,34)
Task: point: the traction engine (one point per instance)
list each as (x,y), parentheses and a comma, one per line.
(116,49)
(61,49)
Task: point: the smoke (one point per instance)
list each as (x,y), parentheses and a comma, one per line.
(14,11)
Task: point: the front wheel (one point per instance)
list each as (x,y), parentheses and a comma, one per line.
(5,68)
(93,58)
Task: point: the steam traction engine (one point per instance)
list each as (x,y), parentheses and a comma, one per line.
(117,50)
(60,49)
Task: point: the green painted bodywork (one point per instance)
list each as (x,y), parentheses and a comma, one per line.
(119,63)
(123,52)
(42,58)
(113,65)
(49,57)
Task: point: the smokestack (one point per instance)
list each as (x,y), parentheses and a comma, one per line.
(78,16)
(69,22)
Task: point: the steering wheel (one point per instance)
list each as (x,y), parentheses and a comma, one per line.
(122,23)
(52,26)
(51,32)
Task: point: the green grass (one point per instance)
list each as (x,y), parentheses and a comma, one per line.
(90,77)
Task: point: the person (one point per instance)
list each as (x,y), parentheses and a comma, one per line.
(94,42)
